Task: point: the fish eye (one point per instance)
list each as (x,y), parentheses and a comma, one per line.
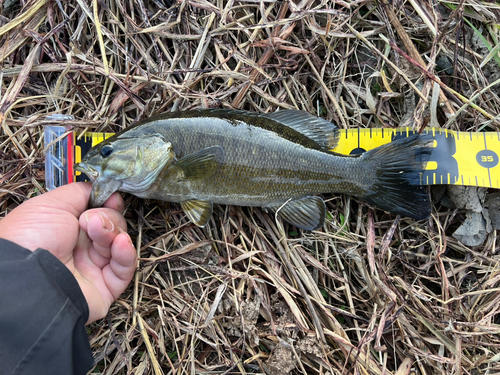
(106,150)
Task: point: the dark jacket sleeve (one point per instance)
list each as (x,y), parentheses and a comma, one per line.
(42,315)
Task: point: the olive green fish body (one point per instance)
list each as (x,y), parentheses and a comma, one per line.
(260,168)
(280,161)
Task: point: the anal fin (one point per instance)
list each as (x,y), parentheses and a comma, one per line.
(306,213)
(198,212)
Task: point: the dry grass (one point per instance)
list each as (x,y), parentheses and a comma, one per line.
(367,294)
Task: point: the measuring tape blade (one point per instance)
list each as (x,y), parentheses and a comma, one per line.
(458,158)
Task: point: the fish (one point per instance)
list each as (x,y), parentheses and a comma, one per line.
(279,161)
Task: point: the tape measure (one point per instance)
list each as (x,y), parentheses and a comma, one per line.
(458,158)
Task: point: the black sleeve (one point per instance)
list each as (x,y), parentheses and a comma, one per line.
(42,315)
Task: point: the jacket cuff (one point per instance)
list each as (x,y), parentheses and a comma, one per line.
(53,268)
(43,315)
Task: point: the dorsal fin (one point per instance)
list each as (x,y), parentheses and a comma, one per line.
(319,130)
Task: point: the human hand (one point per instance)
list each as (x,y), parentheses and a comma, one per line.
(92,244)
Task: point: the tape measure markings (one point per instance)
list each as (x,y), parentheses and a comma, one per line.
(457,158)
(477,155)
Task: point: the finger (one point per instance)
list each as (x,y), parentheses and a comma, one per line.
(102,225)
(122,265)
(74,198)
(115,202)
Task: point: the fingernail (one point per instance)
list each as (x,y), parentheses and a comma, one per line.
(106,223)
(130,240)
(128,236)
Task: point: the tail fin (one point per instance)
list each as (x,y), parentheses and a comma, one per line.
(399,166)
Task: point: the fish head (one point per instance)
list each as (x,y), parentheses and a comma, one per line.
(125,164)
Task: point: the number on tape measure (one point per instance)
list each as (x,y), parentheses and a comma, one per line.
(487,158)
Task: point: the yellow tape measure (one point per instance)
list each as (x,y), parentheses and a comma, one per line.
(459,158)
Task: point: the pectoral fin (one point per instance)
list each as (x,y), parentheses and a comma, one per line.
(102,190)
(201,164)
(198,212)
(306,213)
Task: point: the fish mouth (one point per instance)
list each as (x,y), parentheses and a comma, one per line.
(87,170)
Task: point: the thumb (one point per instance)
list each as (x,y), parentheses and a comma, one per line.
(74,198)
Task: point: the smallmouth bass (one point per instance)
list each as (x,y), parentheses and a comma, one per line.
(278,161)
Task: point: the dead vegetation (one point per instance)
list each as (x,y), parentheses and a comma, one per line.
(367,294)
